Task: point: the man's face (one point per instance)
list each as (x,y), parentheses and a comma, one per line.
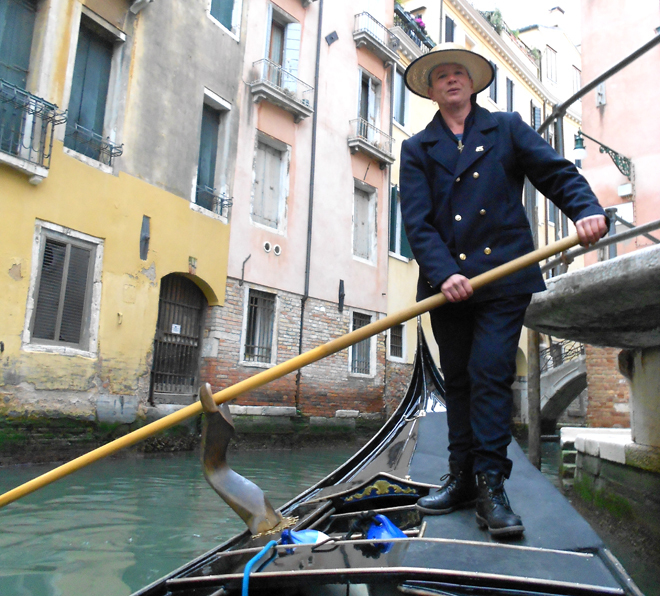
(451,86)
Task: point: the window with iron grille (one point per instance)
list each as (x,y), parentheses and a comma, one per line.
(396,341)
(260,325)
(361,352)
(63,292)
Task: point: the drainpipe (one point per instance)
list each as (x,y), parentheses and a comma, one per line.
(441,33)
(310,209)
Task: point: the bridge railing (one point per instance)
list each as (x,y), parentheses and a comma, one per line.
(558,353)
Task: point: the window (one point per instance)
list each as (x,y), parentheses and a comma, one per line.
(368,105)
(16,28)
(398,240)
(551,64)
(206,195)
(283,49)
(227,13)
(492,90)
(270,182)
(535,116)
(449,29)
(577,79)
(553,213)
(361,352)
(259,328)
(509,95)
(64,288)
(364,222)
(89,93)
(601,100)
(396,341)
(401,99)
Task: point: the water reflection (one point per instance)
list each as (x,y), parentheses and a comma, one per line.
(118,525)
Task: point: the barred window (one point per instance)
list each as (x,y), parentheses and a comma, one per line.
(260,324)
(361,352)
(396,341)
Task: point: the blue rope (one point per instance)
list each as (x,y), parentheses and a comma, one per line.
(252,562)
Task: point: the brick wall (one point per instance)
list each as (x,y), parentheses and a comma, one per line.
(397,379)
(325,386)
(609,391)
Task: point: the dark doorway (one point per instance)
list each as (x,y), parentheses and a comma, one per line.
(175,371)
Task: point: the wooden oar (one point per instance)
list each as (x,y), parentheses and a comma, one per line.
(282,369)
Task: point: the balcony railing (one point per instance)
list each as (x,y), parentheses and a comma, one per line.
(407,22)
(26,128)
(375,37)
(278,86)
(371,141)
(91,144)
(212,200)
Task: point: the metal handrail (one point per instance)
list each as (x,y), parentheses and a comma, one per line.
(26,125)
(212,200)
(560,352)
(569,256)
(275,75)
(372,135)
(381,34)
(91,144)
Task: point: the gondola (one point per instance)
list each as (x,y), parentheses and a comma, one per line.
(354,554)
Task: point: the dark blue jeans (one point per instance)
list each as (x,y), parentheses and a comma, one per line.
(478,343)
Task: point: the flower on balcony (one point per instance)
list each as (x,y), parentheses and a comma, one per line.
(420,24)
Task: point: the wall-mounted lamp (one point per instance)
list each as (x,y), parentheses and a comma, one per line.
(622,163)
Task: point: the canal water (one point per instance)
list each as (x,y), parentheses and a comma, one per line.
(118,525)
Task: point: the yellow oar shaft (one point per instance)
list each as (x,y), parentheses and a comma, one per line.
(280,370)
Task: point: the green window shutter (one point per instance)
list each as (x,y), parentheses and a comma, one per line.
(50,288)
(16,29)
(89,91)
(222,10)
(394,191)
(208,147)
(406,251)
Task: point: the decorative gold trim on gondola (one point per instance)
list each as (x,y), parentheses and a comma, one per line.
(380,488)
(286,522)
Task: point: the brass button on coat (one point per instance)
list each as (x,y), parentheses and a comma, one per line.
(458,179)
(462,256)
(475,175)
(486,251)
(482,212)
(458,217)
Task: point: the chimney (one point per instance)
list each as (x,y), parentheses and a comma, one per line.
(556,17)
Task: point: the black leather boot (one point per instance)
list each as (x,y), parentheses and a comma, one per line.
(459,491)
(493,509)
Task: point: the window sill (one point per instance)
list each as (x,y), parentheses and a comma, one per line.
(88,160)
(362,375)
(234,35)
(399,257)
(397,359)
(364,261)
(35,173)
(251,364)
(56,349)
(197,209)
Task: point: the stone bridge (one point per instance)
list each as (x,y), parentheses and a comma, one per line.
(560,385)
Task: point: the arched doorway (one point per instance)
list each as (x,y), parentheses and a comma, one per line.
(175,369)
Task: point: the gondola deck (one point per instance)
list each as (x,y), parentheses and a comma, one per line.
(448,554)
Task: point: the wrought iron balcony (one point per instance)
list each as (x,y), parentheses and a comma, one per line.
(415,42)
(26,131)
(91,144)
(212,200)
(373,35)
(279,87)
(371,141)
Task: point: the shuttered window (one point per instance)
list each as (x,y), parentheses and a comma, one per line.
(509,95)
(492,90)
(89,91)
(398,240)
(222,11)
(449,29)
(16,29)
(268,185)
(259,329)
(361,352)
(396,341)
(62,301)
(362,235)
(208,152)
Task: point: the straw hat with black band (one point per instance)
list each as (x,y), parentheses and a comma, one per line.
(419,71)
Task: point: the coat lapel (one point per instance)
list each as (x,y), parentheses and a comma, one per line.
(479,141)
(441,148)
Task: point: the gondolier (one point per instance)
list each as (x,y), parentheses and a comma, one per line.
(461,186)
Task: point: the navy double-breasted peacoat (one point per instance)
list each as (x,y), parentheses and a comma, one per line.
(463,211)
